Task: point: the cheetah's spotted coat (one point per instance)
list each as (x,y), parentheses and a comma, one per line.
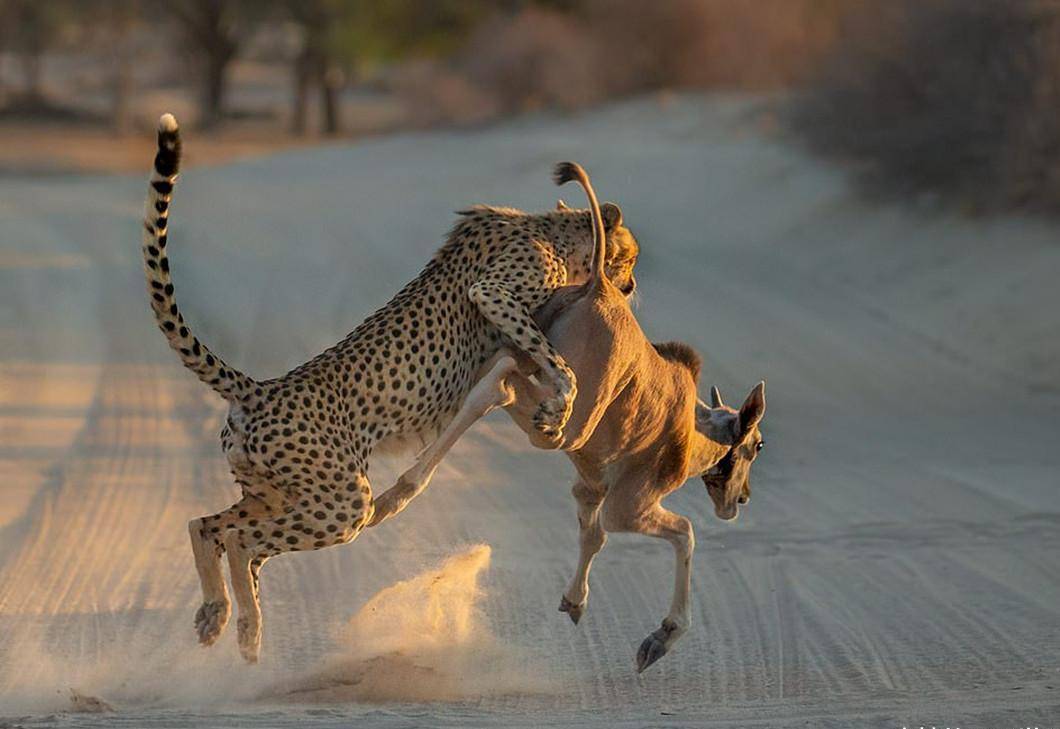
(298,445)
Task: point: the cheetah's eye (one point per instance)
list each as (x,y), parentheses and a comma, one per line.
(761,445)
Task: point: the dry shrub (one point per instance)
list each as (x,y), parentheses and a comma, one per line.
(714,43)
(649,45)
(1030,165)
(437,94)
(512,63)
(534,59)
(947,97)
(540,57)
(769,43)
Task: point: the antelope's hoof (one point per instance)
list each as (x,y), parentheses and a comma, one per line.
(211,619)
(656,645)
(651,650)
(573,611)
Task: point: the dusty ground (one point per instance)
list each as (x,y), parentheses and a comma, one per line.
(897,565)
(51,149)
(47,149)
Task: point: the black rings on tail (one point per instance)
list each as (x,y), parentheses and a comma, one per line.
(231,384)
(167,159)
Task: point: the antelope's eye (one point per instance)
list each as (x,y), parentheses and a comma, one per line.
(761,445)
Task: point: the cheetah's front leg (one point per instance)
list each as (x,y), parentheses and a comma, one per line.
(510,313)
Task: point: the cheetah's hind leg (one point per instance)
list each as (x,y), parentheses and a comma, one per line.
(207,544)
(212,616)
(306,525)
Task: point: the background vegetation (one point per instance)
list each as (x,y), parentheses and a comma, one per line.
(946,98)
(463,60)
(954,99)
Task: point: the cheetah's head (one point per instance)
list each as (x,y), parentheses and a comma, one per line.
(622,247)
(622,250)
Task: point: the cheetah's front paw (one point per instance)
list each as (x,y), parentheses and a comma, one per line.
(211,619)
(552,415)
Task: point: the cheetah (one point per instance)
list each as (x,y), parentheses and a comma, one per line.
(298,446)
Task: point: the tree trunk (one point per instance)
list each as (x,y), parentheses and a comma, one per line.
(32,75)
(214,85)
(121,92)
(120,21)
(121,82)
(329,97)
(211,36)
(313,68)
(300,98)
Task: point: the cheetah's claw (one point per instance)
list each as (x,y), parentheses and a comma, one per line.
(551,416)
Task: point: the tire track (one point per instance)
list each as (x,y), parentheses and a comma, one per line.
(897,564)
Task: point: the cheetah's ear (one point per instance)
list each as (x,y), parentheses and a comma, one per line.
(612,215)
(562,206)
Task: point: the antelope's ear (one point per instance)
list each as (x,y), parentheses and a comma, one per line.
(715,397)
(612,215)
(562,206)
(753,408)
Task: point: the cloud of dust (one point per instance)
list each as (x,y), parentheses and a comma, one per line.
(135,670)
(424,639)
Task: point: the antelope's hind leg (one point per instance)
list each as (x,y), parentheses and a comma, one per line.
(655,521)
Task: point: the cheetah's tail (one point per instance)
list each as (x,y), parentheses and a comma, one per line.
(565,172)
(232,385)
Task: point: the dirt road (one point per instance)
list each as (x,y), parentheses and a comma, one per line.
(897,566)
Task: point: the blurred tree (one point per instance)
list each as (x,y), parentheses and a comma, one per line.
(110,25)
(947,98)
(30,28)
(388,31)
(214,30)
(316,61)
(355,34)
